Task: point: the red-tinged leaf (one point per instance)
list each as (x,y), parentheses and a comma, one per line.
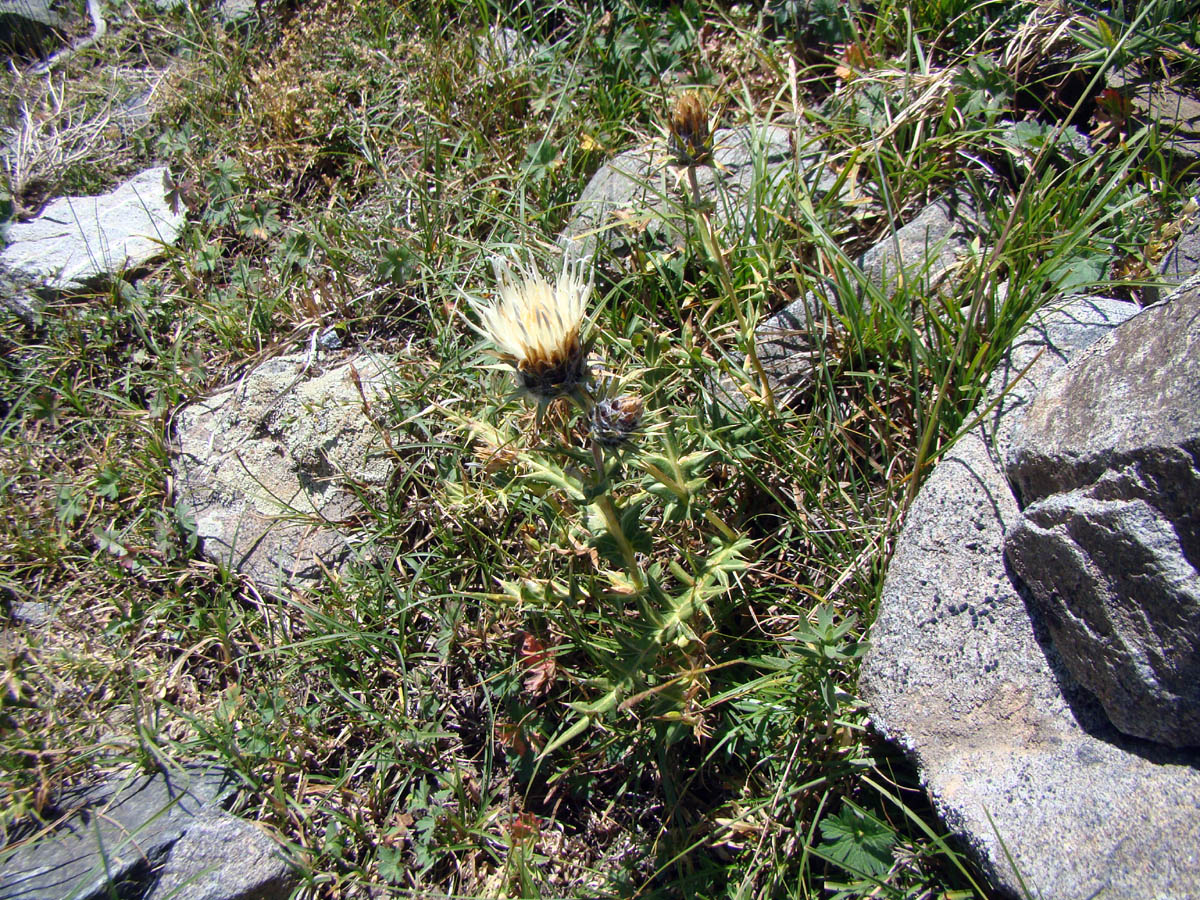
(524,827)
(511,736)
(1113,108)
(540,667)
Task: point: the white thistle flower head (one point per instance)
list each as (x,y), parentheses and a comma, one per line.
(537,327)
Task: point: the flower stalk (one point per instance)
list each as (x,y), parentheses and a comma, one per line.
(689,137)
(612,522)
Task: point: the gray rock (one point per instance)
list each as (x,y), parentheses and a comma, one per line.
(135,112)
(927,248)
(329,339)
(236,12)
(1177,266)
(114,834)
(32,612)
(1106,466)
(640,195)
(38,11)
(27,24)
(18,294)
(501,51)
(789,347)
(222,857)
(77,240)
(269,467)
(969,685)
(1176,114)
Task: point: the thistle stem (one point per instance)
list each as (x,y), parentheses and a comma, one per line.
(691,170)
(613,522)
(668,482)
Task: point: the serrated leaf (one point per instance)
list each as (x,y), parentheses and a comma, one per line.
(1079,270)
(108,483)
(540,157)
(858,841)
(71,504)
(542,472)
(108,542)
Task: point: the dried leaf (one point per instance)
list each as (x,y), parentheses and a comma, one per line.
(854,61)
(539,666)
(510,735)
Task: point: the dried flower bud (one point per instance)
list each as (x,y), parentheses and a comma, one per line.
(615,420)
(690,139)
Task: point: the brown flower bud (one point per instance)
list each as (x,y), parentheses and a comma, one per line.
(689,136)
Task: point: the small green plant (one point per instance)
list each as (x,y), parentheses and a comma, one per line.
(858,841)
(822,22)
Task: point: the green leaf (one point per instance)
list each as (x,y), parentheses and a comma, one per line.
(259,220)
(540,157)
(829,694)
(577,728)
(711,581)
(1084,269)
(70,505)
(7,213)
(547,594)
(187,523)
(542,472)
(675,479)
(858,841)
(108,483)
(109,542)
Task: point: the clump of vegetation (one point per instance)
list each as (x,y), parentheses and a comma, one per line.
(602,637)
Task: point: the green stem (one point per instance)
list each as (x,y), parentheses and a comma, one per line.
(721,267)
(716,522)
(668,482)
(613,522)
(691,170)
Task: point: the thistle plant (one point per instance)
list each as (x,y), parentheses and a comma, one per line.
(538,329)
